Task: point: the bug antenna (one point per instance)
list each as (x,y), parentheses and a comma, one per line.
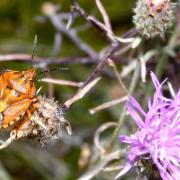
(53,69)
(34,46)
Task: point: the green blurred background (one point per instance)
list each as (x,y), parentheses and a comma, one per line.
(20,21)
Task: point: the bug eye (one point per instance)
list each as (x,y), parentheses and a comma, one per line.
(17,94)
(31,82)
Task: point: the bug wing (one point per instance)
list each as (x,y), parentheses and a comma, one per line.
(15,111)
(18,85)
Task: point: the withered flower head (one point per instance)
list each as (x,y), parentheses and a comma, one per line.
(48,121)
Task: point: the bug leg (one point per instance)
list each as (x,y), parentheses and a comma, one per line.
(26,124)
(23,128)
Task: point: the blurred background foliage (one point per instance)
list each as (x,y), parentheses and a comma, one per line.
(20,21)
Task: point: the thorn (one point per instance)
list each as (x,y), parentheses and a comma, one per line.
(8,141)
(39,90)
(70,21)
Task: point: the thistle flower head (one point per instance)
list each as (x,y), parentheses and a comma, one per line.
(153,17)
(158,137)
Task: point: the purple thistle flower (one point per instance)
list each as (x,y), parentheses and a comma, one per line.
(158,137)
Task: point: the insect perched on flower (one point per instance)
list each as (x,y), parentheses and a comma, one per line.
(20,107)
(157,140)
(44,125)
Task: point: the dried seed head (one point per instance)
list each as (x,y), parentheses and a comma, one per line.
(153,17)
(48,121)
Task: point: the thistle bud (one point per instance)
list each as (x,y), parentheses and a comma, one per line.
(153,17)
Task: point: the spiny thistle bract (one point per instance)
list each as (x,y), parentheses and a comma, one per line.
(153,17)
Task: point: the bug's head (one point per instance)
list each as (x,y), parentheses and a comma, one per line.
(30,74)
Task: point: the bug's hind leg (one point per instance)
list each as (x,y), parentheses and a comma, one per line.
(26,125)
